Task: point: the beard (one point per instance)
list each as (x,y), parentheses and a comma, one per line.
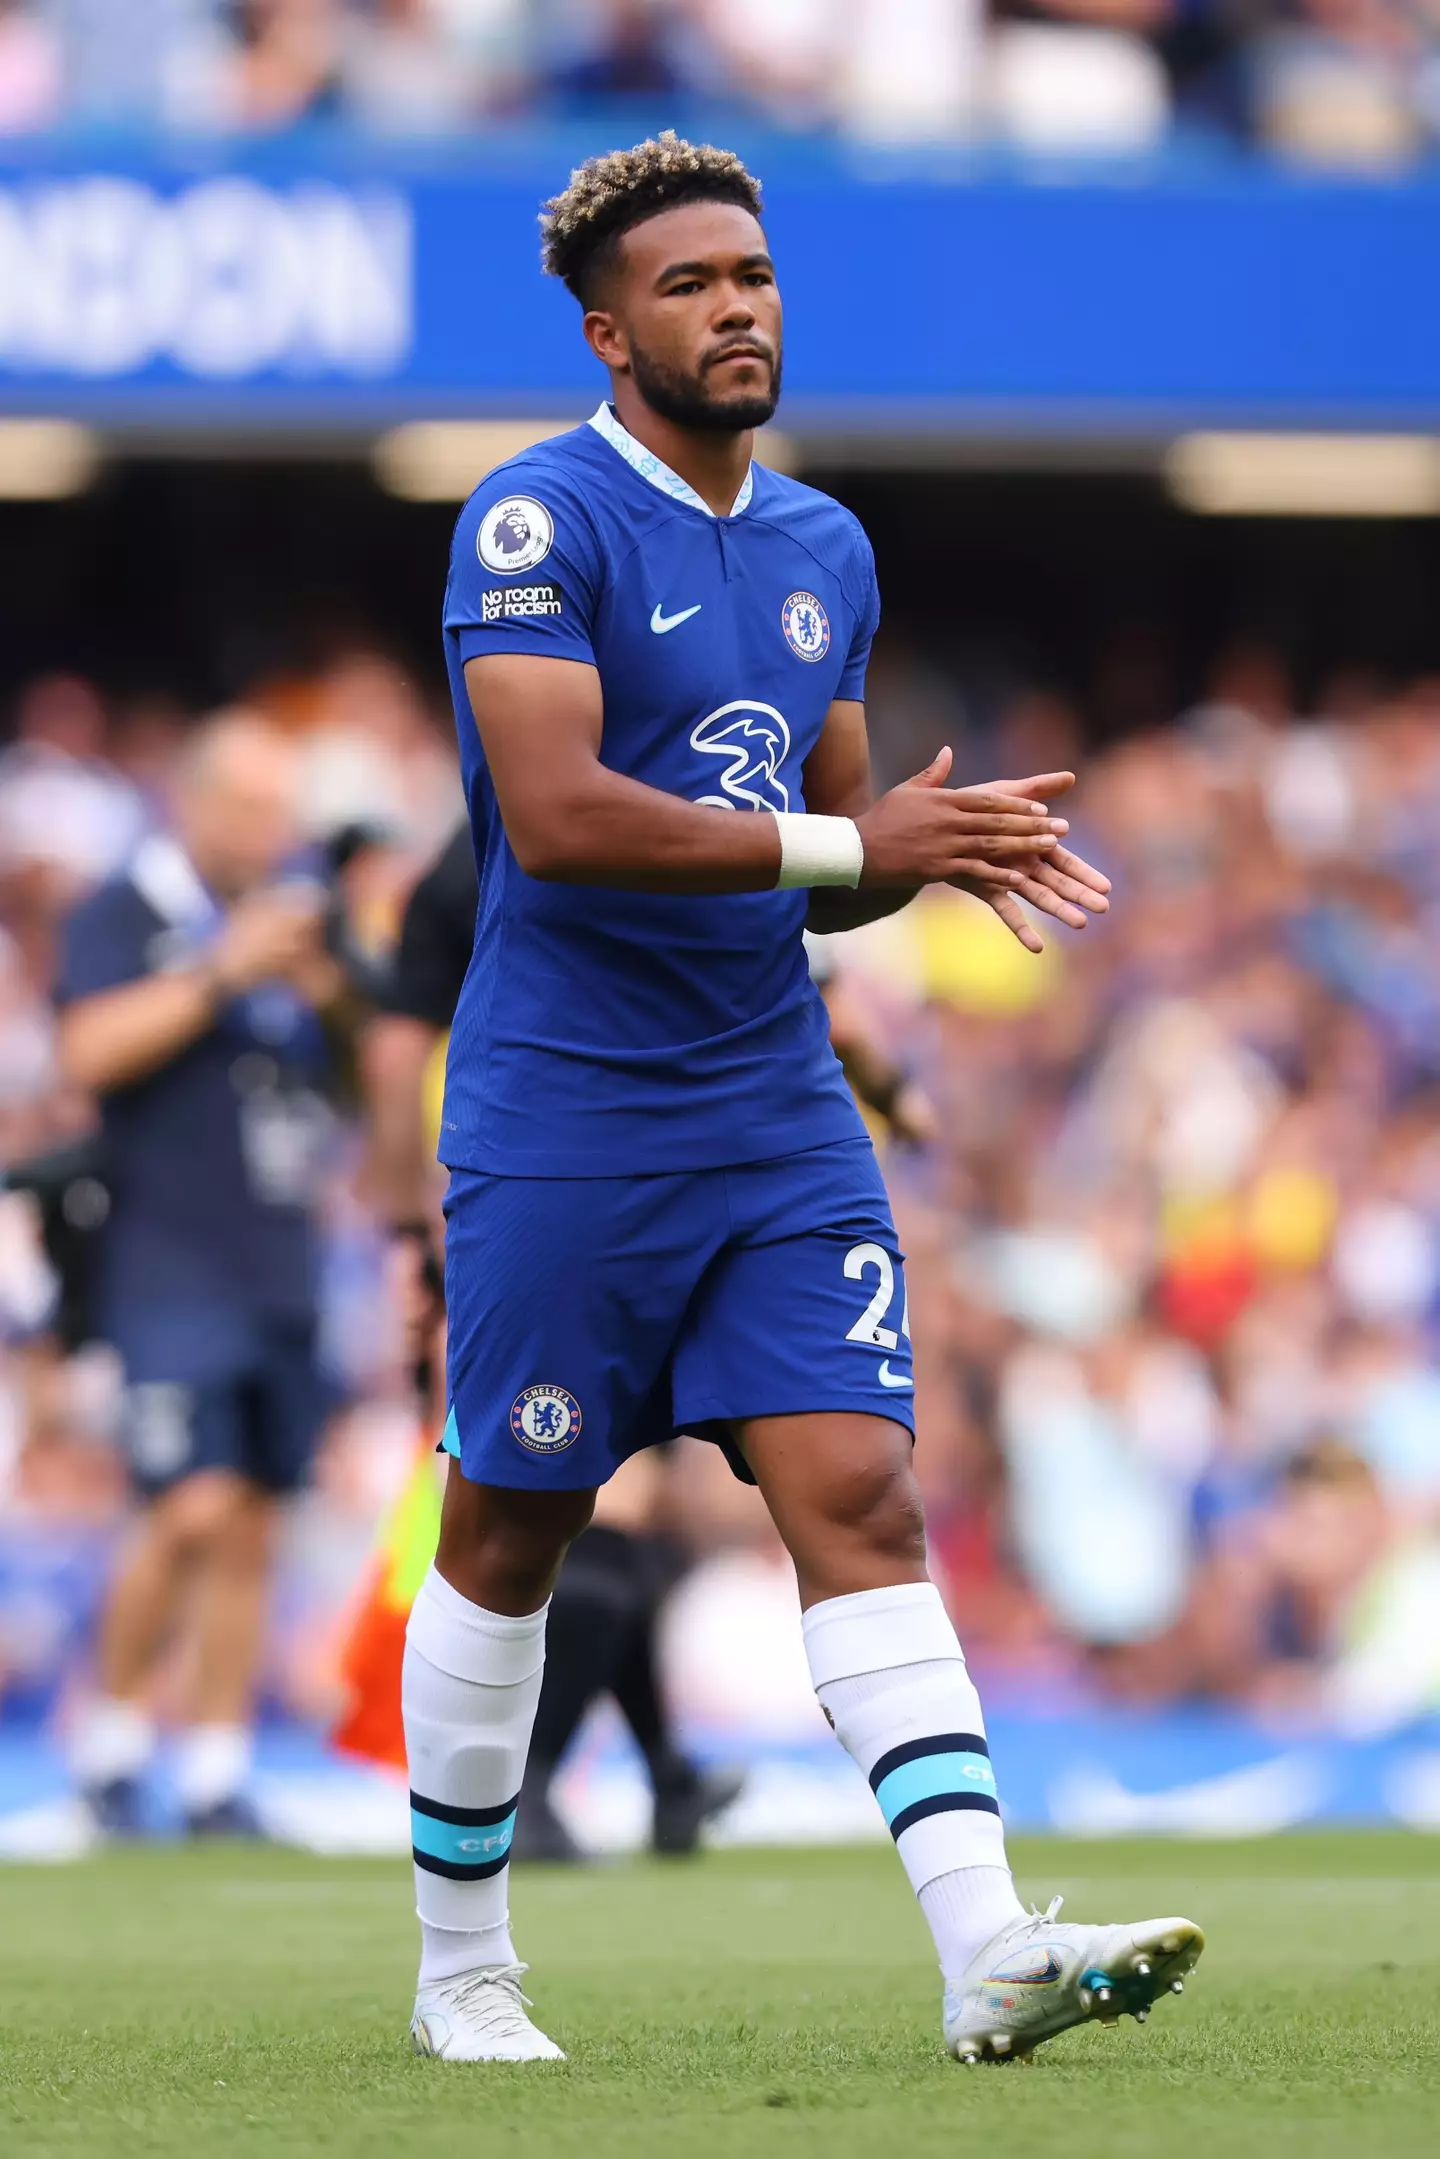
(685,399)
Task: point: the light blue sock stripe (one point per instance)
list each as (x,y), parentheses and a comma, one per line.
(450,1437)
(931,1776)
(461,1844)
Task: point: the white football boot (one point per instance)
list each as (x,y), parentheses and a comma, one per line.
(1038,1977)
(479,2017)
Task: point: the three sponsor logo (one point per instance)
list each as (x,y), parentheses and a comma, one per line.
(752,741)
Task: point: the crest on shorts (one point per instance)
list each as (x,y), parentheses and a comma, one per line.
(546,1420)
(806,626)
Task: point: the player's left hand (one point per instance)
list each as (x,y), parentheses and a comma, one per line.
(1059,883)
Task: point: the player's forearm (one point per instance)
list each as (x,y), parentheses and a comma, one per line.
(122,1035)
(609,830)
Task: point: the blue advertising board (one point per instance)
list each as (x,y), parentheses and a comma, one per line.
(317,284)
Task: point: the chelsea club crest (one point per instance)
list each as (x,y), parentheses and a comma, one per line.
(545,1419)
(806,626)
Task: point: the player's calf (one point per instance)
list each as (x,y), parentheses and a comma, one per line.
(892,1680)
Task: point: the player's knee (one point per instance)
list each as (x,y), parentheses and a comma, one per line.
(504,1551)
(879,1507)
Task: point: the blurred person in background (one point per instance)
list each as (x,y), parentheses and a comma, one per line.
(401,74)
(68,818)
(880,1084)
(191,988)
(31,81)
(372,754)
(618,1572)
(1283,1589)
(286,65)
(628,49)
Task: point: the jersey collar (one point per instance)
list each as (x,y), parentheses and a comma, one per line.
(656,471)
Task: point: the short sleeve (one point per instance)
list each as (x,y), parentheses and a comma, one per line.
(436,938)
(525,569)
(867,622)
(103,944)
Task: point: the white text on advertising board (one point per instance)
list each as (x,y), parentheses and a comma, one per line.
(103,277)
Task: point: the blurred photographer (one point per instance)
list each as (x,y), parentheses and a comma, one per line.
(191,992)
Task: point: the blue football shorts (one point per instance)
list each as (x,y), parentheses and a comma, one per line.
(590,1317)
(222,1390)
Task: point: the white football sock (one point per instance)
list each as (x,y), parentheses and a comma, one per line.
(891,1678)
(111,1739)
(212,1764)
(469,1690)
(966,1910)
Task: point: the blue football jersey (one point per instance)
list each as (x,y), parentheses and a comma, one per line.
(605,1033)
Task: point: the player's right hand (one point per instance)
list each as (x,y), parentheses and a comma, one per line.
(268,935)
(926,833)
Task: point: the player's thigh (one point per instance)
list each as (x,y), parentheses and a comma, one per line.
(565,1299)
(804,1310)
(287,1401)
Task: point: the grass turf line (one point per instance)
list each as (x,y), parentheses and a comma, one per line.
(229,2000)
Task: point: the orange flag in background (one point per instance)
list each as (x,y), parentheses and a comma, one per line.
(370,1665)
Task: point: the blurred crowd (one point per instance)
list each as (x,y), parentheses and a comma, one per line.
(1175,1241)
(1177,1256)
(1354,82)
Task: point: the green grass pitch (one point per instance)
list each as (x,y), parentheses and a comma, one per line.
(239,2001)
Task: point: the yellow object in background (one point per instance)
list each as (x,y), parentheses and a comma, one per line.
(967,958)
(433,1094)
(1292,1217)
(1200,1229)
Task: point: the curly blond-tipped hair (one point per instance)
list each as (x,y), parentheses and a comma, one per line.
(609,194)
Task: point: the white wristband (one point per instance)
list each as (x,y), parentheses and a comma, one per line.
(818,851)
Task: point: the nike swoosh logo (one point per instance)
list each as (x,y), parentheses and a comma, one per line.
(660,622)
(1029,1971)
(893,1379)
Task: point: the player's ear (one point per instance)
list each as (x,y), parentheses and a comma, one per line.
(606,339)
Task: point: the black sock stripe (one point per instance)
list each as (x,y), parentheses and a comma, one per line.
(454,1871)
(464,1817)
(915,1750)
(943,1803)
